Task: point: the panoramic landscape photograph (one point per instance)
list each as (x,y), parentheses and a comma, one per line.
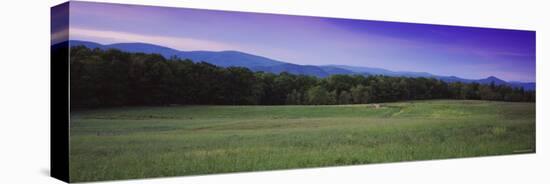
(159,91)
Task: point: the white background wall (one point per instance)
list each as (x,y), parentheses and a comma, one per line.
(24,90)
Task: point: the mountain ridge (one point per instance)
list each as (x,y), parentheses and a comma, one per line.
(260,63)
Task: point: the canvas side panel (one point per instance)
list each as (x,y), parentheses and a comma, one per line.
(59,81)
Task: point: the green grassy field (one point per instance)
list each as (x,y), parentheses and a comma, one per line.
(123,143)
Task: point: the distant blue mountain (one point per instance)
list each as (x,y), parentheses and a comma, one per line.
(294,69)
(492,79)
(91,45)
(530,86)
(380,71)
(222,58)
(259,63)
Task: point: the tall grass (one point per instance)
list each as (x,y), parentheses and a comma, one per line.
(140,142)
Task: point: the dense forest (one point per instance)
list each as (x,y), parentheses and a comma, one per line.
(106,78)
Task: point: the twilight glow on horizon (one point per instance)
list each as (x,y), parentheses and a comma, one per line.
(466,52)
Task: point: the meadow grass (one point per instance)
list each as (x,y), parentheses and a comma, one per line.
(139,142)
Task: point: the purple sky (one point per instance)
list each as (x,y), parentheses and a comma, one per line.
(465,52)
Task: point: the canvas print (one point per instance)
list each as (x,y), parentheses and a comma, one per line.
(160,91)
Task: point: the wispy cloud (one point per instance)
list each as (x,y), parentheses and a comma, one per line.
(59,36)
(180,43)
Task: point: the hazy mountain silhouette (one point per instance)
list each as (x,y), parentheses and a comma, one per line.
(259,63)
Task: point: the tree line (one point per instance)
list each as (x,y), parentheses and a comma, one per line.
(107,78)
